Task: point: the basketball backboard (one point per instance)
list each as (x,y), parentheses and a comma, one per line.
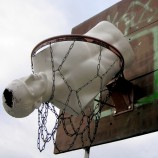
(138,21)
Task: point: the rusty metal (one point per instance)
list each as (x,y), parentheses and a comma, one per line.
(122,96)
(81,38)
(140,30)
(84,126)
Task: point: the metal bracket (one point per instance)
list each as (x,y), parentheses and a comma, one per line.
(122,96)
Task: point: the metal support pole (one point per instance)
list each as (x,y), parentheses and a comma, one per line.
(87,152)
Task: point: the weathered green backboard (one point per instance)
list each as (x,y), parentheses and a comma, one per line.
(138,21)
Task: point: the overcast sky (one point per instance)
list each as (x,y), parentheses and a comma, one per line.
(23,24)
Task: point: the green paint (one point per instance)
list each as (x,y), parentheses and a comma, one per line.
(154,96)
(129,19)
(148,99)
(106,113)
(156,59)
(151,98)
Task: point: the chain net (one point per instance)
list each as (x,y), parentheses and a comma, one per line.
(85,121)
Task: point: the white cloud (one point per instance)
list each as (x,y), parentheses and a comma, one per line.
(31,18)
(22,25)
(137,147)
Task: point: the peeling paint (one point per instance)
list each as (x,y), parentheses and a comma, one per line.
(129,19)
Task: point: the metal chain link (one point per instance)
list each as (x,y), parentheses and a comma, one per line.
(93,118)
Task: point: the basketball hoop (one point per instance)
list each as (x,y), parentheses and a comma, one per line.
(92,115)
